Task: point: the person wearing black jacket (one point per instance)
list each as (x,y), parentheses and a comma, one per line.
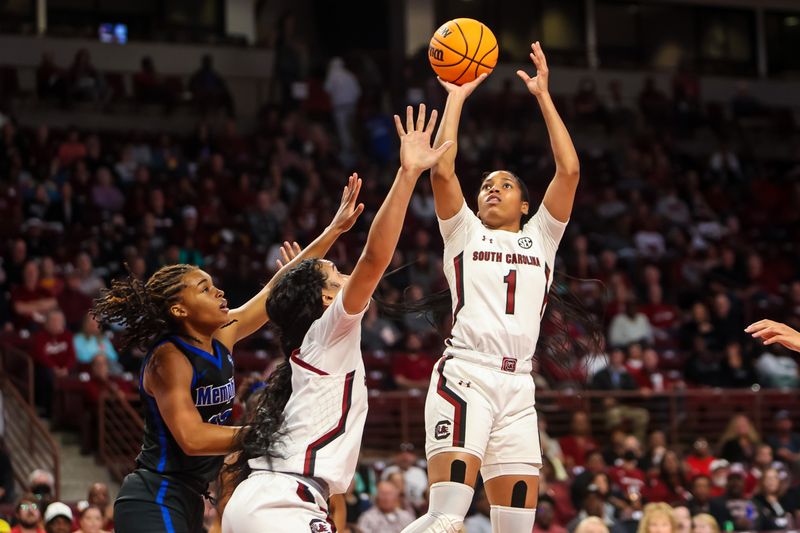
(615,377)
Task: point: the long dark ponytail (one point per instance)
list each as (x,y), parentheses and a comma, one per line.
(293,305)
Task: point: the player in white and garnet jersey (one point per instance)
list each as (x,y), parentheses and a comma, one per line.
(479,412)
(302,443)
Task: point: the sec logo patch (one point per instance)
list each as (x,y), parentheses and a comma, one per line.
(525,242)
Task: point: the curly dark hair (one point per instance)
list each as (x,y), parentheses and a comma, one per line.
(293,305)
(142,308)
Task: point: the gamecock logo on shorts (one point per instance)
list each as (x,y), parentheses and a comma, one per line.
(442,430)
(509,364)
(525,242)
(320,526)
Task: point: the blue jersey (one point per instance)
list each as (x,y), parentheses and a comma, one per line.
(213,391)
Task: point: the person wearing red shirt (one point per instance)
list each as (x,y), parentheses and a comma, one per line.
(28,515)
(699,461)
(412,369)
(73,302)
(72,149)
(627,476)
(580,442)
(663,317)
(670,486)
(29,300)
(54,355)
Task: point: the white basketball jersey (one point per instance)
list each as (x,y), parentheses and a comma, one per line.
(325,415)
(499,282)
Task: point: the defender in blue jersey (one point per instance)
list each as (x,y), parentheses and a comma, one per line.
(187,379)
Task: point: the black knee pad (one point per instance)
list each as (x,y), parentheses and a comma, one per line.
(519,494)
(458,471)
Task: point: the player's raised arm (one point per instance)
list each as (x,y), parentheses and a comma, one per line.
(251,316)
(447,195)
(560,193)
(416,156)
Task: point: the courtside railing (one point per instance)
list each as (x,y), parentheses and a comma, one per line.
(120,434)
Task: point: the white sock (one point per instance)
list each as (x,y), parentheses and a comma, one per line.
(512,519)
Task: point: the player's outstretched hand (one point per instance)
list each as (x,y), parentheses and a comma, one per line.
(416,153)
(465,89)
(288,252)
(537,85)
(349,210)
(771,332)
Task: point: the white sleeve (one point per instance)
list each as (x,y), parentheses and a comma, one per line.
(546,229)
(457,223)
(332,337)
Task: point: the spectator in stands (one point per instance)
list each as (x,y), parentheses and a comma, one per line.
(16,260)
(6,474)
(785,443)
(42,484)
(777,369)
(698,325)
(594,505)
(700,501)
(386,516)
(263,223)
(91,520)
(663,317)
(50,81)
(479,521)
(415,478)
(30,301)
(378,333)
(105,195)
(630,327)
(737,372)
(704,367)
(683,519)
(208,88)
(91,282)
(28,515)
(84,83)
(545,518)
(54,355)
(90,341)
(657,518)
(344,90)
(58,518)
(591,524)
(739,440)
(704,523)
(72,301)
(579,442)
(411,368)
(671,485)
(733,506)
(149,87)
(700,459)
(615,377)
(100,498)
(772,515)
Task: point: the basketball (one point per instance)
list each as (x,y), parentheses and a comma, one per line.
(462,49)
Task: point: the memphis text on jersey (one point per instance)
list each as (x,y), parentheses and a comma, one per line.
(511,259)
(211,395)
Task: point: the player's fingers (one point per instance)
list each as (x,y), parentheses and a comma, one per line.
(399,126)
(357,211)
(356,190)
(409,119)
(447,85)
(279,263)
(421,118)
(780,339)
(540,54)
(432,121)
(285,256)
(523,76)
(444,147)
(756,326)
(767,332)
(296,248)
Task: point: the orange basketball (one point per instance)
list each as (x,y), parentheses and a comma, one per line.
(462,49)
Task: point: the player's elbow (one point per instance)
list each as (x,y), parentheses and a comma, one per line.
(191,442)
(570,171)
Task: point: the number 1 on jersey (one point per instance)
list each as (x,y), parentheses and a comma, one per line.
(511,280)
